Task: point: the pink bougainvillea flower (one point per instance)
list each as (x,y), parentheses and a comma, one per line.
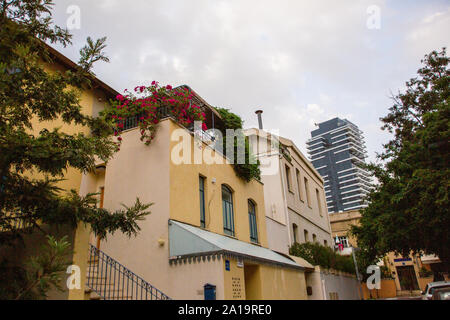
(204,127)
(119,97)
(169,87)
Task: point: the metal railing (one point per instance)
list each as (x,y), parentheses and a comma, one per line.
(113,281)
(133,122)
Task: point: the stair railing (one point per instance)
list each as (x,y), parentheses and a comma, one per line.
(113,281)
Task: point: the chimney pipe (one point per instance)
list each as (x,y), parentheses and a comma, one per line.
(259,113)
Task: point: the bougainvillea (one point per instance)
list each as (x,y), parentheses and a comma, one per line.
(146,105)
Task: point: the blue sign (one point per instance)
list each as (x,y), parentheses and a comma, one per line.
(227,265)
(402,259)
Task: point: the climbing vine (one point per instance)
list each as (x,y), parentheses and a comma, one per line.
(250,169)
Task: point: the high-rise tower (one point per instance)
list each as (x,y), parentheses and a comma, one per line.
(336,149)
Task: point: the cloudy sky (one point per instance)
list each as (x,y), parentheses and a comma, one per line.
(301,61)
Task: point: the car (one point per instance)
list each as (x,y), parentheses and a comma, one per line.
(427,293)
(441,294)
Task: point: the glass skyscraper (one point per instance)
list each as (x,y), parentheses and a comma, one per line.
(335,149)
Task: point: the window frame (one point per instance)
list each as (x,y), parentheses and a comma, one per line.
(228,213)
(319,203)
(253,223)
(308,197)
(287,170)
(295,232)
(202,195)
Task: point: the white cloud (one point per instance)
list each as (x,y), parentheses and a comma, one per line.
(300,61)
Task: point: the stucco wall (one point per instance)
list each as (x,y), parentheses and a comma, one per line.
(290,205)
(312,228)
(189,278)
(278,239)
(280,283)
(147,172)
(387,290)
(341,286)
(141,171)
(184,192)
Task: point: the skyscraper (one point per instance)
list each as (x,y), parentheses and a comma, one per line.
(335,150)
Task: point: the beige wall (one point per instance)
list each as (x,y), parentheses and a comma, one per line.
(282,283)
(341,224)
(141,171)
(147,172)
(184,194)
(288,206)
(190,277)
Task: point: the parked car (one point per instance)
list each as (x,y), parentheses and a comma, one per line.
(432,286)
(441,294)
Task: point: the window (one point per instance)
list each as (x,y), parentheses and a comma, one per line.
(252,222)
(325,243)
(344,241)
(288,178)
(201,181)
(299,184)
(228,214)
(308,200)
(305,232)
(314,238)
(295,231)
(318,202)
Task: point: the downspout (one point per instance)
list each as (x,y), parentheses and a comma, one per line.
(286,213)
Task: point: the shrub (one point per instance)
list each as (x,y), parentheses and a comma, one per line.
(323,256)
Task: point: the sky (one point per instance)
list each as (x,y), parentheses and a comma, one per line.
(301,62)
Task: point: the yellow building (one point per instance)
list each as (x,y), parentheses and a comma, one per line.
(206,236)
(92,101)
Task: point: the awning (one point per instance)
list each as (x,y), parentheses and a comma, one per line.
(302,262)
(429,259)
(187,241)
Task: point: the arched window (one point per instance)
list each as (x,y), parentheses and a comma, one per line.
(252,222)
(228,212)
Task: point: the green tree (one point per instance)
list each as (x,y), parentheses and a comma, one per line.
(409,207)
(28,92)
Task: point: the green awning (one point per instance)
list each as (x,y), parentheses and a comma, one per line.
(187,241)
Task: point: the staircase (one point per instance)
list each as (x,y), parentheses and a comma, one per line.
(107,279)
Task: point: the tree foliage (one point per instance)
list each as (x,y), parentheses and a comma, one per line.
(324,256)
(409,208)
(40,273)
(32,162)
(250,168)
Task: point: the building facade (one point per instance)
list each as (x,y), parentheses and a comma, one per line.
(336,149)
(293,192)
(206,228)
